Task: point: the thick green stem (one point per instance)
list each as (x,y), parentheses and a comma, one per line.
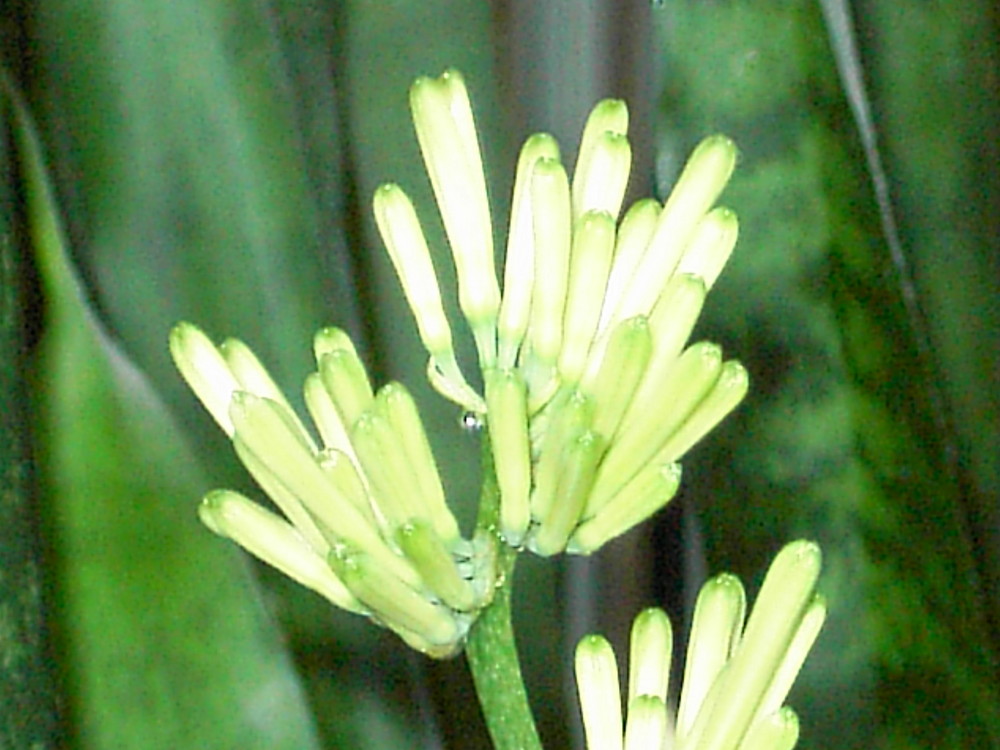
(491,651)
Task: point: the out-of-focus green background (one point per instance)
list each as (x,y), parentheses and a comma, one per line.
(213,161)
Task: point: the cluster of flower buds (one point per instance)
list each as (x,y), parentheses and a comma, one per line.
(365,523)
(736,678)
(590,395)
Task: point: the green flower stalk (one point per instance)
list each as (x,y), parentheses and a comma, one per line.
(736,677)
(590,396)
(364,520)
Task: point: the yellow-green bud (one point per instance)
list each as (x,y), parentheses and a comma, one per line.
(710,247)
(346,381)
(506,399)
(274,541)
(519,265)
(601,175)
(646,725)
(205,370)
(613,383)
(634,234)
(650,652)
(436,566)
(597,685)
(330,339)
(776,731)
(572,414)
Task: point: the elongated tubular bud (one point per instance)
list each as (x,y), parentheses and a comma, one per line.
(404,239)
(634,234)
(706,173)
(330,339)
(573,416)
(670,325)
(325,416)
(716,628)
(776,731)
(795,656)
(343,474)
(346,381)
(519,264)
(446,131)
(206,372)
(649,491)
(397,404)
(552,231)
(710,247)
(276,542)
(392,480)
(271,452)
(726,394)
(590,262)
(506,399)
(434,562)
(650,651)
(646,726)
(783,600)
(659,418)
(597,685)
(580,459)
(618,375)
(596,178)
(390,599)
(601,185)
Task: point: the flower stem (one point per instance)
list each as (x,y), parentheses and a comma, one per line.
(491,651)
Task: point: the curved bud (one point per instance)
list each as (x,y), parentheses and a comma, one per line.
(634,235)
(274,541)
(404,239)
(590,262)
(519,264)
(205,370)
(705,175)
(392,601)
(597,685)
(648,491)
(506,399)
(803,640)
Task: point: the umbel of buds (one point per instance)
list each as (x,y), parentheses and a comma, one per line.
(364,520)
(590,393)
(736,677)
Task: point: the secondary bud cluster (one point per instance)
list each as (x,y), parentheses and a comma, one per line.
(364,519)
(590,394)
(736,677)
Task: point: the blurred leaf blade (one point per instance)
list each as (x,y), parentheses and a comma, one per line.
(164,639)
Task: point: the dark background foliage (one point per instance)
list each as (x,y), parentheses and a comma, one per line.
(213,161)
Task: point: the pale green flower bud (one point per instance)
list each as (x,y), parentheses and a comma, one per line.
(715,632)
(634,234)
(330,339)
(391,478)
(646,726)
(644,495)
(710,247)
(346,381)
(601,176)
(615,381)
(276,542)
(803,640)
(425,549)
(446,131)
(519,265)
(579,464)
(332,430)
(342,471)
(573,415)
(410,440)
(650,651)
(404,239)
(590,262)
(205,370)
(777,731)
(597,686)
(506,399)
(705,175)
(552,232)
(391,600)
